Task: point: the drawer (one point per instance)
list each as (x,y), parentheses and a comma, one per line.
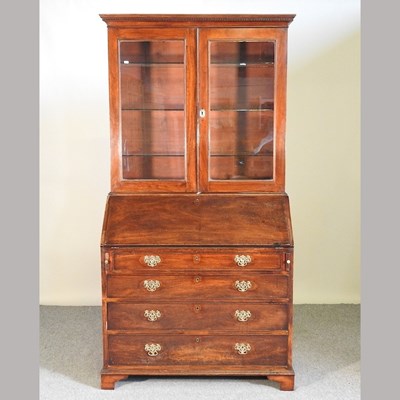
(126,350)
(145,259)
(250,286)
(239,317)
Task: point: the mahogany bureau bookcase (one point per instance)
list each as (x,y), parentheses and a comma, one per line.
(197,243)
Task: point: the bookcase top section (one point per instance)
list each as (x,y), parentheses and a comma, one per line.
(198,20)
(197,220)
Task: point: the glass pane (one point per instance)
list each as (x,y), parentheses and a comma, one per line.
(241,97)
(152,98)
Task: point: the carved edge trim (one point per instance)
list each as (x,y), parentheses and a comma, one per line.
(198,18)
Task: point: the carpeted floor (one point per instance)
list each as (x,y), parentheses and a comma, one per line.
(326,360)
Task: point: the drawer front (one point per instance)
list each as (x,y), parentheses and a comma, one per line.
(239,317)
(137,260)
(199,286)
(125,350)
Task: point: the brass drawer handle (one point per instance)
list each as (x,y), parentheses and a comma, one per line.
(243,286)
(152,315)
(152,349)
(152,261)
(242,348)
(242,261)
(151,285)
(242,315)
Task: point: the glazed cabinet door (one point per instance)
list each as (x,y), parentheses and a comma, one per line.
(242,85)
(152,109)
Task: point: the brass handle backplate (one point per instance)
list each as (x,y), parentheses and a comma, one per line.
(242,315)
(152,261)
(242,261)
(242,348)
(152,315)
(152,349)
(151,285)
(243,286)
